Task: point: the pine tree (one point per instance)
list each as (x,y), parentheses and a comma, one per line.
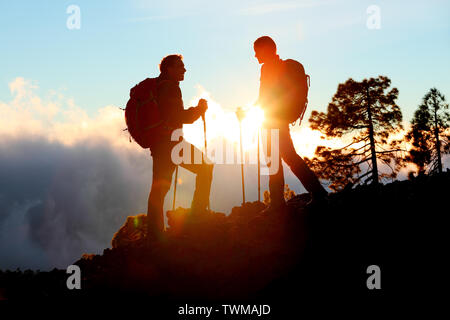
(429,134)
(366,112)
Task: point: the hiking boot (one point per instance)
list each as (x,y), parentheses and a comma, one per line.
(154,236)
(195,212)
(198,216)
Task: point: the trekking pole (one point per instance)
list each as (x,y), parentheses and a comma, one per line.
(240,116)
(175,188)
(259,173)
(204,134)
(206,145)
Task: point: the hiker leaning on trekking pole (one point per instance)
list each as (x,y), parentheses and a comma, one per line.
(154,111)
(283,97)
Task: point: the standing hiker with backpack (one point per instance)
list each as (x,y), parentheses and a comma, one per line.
(157,106)
(283,97)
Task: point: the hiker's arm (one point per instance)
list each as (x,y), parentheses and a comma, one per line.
(193,113)
(171,106)
(189,116)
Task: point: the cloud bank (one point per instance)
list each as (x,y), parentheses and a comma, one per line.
(67,180)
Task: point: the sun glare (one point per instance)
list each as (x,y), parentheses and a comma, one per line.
(222,123)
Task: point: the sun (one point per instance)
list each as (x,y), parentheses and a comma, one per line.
(222,123)
(251,125)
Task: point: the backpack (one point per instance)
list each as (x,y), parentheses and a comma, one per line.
(142,115)
(295,84)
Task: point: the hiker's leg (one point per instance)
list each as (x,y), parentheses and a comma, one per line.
(276,180)
(162,177)
(204,172)
(298,165)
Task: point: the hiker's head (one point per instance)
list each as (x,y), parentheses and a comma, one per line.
(265,49)
(172,67)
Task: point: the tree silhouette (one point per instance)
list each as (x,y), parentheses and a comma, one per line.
(365,112)
(429,134)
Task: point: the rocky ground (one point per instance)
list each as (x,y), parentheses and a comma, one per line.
(283,257)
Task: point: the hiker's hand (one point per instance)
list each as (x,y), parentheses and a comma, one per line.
(202,105)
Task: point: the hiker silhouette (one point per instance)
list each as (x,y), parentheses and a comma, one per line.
(173,116)
(279,98)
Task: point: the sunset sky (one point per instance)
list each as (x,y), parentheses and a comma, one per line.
(121,42)
(66,164)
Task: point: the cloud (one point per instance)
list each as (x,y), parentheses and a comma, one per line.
(157,18)
(57,118)
(271,7)
(74,197)
(67,180)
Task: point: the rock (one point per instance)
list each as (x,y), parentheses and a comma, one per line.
(134,230)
